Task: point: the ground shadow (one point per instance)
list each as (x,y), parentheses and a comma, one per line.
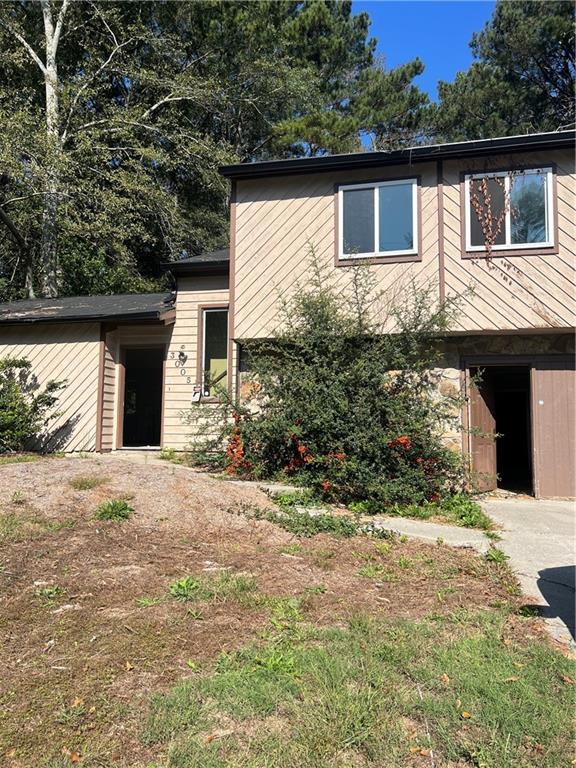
(557,586)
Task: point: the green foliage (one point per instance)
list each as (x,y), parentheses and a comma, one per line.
(523,78)
(50,595)
(350,404)
(458,509)
(26,410)
(114,509)
(150,100)
(495,555)
(221,587)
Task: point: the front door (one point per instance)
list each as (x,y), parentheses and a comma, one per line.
(143,382)
(483,429)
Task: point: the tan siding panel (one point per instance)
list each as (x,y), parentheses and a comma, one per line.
(67,351)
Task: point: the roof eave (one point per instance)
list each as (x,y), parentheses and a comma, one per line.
(410,156)
(208,268)
(166,318)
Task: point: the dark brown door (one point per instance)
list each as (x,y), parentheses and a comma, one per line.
(483,427)
(554,409)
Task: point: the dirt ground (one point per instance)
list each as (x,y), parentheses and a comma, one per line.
(79,667)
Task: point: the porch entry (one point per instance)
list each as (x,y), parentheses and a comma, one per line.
(522,417)
(141,416)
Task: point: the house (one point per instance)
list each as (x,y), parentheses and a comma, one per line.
(134,363)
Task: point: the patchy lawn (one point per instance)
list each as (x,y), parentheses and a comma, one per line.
(187,633)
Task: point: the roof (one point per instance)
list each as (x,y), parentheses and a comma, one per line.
(210,263)
(411,155)
(139,307)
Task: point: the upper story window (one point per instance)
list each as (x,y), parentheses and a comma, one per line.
(509,209)
(378,219)
(214,351)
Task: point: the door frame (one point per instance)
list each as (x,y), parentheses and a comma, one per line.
(123,348)
(494,360)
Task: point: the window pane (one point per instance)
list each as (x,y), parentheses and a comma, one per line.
(358,217)
(528,208)
(395,210)
(215,365)
(489,194)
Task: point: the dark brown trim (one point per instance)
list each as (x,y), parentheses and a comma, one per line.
(509,252)
(233,375)
(200,350)
(100,404)
(122,348)
(338,262)
(440,204)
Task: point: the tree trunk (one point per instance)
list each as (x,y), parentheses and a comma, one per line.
(48,243)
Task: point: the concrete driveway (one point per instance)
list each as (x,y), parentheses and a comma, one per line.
(539,538)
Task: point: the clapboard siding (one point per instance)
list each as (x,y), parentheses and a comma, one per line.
(516,292)
(279,220)
(64,352)
(192,294)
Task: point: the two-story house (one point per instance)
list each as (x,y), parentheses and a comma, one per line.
(135,363)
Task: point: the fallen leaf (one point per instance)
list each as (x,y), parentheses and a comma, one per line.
(129,666)
(458,703)
(567,679)
(12,753)
(77,702)
(91,710)
(445,679)
(74,757)
(466,715)
(413,750)
(424,752)
(519,665)
(217,735)
(512,679)
(538,748)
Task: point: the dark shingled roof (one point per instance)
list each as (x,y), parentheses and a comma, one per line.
(132,307)
(407,156)
(210,263)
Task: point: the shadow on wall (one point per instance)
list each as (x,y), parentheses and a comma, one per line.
(557,586)
(56,439)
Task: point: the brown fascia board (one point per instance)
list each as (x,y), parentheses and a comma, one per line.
(409,156)
(208,268)
(166,318)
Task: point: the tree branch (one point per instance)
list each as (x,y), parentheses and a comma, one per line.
(32,53)
(59,24)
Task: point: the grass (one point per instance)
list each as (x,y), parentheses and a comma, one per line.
(114,509)
(87,482)
(220,587)
(18,458)
(374,693)
(459,509)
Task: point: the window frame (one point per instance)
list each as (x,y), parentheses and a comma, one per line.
(376,256)
(201,348)
(509,248)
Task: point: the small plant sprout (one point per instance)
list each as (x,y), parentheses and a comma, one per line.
(495,555)
(86,482)
(114,509)
(49,595)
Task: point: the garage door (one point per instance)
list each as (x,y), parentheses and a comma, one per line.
(554,424)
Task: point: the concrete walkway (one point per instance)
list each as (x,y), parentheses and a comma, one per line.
(424,530)
(539,538)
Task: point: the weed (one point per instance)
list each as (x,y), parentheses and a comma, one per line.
(318,589)
(493,535)
(18,498)
(529,611)
(292,549)
(306,525)
(195,614)
(440,541)
(403,539)
(382,547)
(406,562)
(371,571)
(114,509)
(49,595)
(221,587)
(18,458)
(86,482)
(146,602)
(495,555)
(10,525)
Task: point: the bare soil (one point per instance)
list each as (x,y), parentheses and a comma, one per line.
(79,667)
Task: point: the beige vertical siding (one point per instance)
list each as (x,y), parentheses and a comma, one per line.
(515,292)
(69,352)
(193,293)
(278,221)
(107,442)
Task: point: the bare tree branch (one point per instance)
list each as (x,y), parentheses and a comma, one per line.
(32,53)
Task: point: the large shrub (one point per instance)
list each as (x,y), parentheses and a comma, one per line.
(345,406)
(25,409)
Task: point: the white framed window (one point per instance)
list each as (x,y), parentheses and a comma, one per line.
(520,206)
(378,219)
(214,351)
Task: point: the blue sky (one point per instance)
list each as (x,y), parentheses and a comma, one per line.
(438,31)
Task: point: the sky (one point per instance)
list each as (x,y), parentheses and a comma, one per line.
(438,31)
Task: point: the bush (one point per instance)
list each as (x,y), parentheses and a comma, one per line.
(25,410)
(349,405)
